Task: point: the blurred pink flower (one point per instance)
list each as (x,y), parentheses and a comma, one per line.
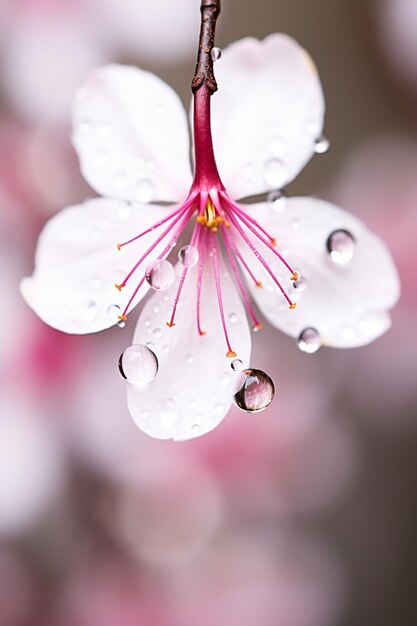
(127,144)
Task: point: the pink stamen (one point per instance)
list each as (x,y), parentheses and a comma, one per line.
(194,242)
(201,261)
(239,282)
(244,218)
(238,210)
(215,251)
(180,209)
(257,282)
(259,257)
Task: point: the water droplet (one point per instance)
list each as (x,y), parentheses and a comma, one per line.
(218,410)
(188,256)
(155,309)
(113,312)
(278,147)
(149,345)
(321,145)
(189,359)
(165,348)
(309,341)
(121,324)
(90,312)
(157,333)
(300,284)
(237,365)
(341,246)
(138,364)
(233,318)
(195,429)
(160,274)
(275,173)
(224,380)
(145,190)
(216,53)
(255,391)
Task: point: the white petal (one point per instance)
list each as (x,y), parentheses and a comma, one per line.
(267,113)
(77,264)
(131,134)
(348,303)
(193,389)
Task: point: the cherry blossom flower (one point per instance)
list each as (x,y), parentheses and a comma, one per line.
(131,135)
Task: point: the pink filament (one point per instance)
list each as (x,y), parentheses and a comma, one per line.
(215,251)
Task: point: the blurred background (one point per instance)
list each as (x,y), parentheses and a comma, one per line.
(303,515)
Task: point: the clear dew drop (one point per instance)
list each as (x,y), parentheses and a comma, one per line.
(138,364)
(195,429)
(216,53)
(278,199)
(309,340)
(255,391)
(322,144)
(121,324)
(90,312)
(160,274)
(341,246)
(233,318)
(157,333)
(300,285)
(275,173)
(189,359)
(145,190)
(188,256)
(237,365)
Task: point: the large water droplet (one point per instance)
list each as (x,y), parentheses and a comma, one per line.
(188,256)
(255,391)
(216,53)
(236,365)
(309,340)
(145,190)
(160,274)
(138,364)
(321,145)
(341,246)
(275,173)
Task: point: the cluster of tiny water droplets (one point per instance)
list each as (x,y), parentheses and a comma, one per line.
(255,391)
(160,274)
(138,364)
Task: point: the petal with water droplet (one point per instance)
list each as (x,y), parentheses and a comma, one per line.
(146,133)
(187,398)
(78,264)
(267,114)
(347,304)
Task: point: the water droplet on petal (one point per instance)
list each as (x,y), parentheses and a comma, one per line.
(189,359)
(300,284)
(157,333)
(138,364)
(237,365)
(160,274)
(145,190)
(233,318)
(216,53)
(275,173)
(309,341)
(279,200)
(255,391)
(188,256)
(341,246)
(195,429)
(121,324)
(321,145)
(90,311)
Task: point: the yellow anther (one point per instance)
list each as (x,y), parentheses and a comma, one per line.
(202,333)
(120,287)
(231,354)
(273,241)
(201,219)
(292,305)
(170,324)
(122,317)
(259,284)
(294,276)
(119,246)
(257,327)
